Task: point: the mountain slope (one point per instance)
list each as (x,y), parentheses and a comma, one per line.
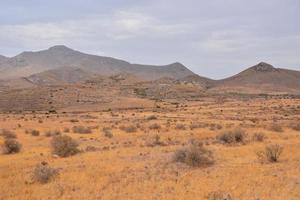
(60,76)
(262,77)
(3,59)
(28,63)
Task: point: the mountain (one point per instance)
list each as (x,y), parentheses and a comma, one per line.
(29,63)
(60,76)
(201,81)
(3,59)
(262,77)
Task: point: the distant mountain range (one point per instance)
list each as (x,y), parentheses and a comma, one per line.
(29,63)
(60,65)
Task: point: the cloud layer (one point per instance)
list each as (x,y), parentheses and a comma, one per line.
(215,38)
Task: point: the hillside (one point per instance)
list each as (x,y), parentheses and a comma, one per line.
(29,63)
(261,78)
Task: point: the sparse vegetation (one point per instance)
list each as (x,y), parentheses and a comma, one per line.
(74,120)
(66,130)
(195,156)
(64,146)
(81,130)
(271,153)
(232,136)
(296,126)
(7,134)
(11,146)
(43,173)
(128,129)
(180,127)
(151,117)
(52,133)
(155,126)
(259,137)
(276,127)
(35,132)
(107,133)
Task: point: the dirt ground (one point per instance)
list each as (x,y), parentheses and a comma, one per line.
(133,165)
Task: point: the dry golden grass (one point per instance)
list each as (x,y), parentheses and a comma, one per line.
(140,165)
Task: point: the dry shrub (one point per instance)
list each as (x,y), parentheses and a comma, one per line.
(219,195)
(151,117)
(81,130)
(198,125)
(43,173)
(128,129)
(64,146)
(74,120)
(52,133)
(270,154)
(35,132)
(107,132)
(233,136)
(296,126)
(180,127)
(276,128)
(195,156)
(259,137)
(66,130)
(11,146)
(156,141)
(155,126)
(8,134)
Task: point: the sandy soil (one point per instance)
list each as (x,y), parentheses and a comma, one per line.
(129,166)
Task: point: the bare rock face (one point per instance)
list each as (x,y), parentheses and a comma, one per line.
(264,67)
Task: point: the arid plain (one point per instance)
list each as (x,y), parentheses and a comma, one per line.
(131,153)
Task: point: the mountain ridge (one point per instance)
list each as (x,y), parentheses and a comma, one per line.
(28,63)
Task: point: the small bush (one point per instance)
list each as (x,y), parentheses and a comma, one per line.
(154,126)
(231,137)
(296,127)
(66,130)
(271,153)
(11,146)
(151,117)
(276,128)
(8,134)
(43,173)
(52,133)
(180,127)
(107,132)
(259,137)
(128,129)
(195,156)
(74,120)
(64,146)
(81,130)
(35,132)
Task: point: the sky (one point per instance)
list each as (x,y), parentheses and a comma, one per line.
(215,38)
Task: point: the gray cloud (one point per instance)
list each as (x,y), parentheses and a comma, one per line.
(215,38)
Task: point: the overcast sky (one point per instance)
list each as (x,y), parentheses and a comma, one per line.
(214,38)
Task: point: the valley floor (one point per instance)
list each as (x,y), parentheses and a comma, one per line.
(137,160)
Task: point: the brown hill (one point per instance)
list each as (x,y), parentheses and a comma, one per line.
(29,63)
(3,59)
(60,76)
(261,78)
